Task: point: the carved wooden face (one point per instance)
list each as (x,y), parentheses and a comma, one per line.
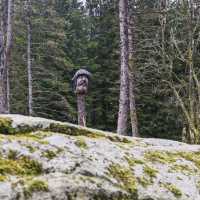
(82,85)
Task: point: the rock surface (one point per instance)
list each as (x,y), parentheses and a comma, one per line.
(48,160)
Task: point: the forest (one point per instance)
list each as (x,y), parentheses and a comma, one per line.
(143,55)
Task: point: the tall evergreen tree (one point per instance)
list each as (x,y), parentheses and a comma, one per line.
(5,40)
(132,70)
(124,79)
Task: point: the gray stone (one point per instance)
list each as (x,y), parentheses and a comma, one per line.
(84,164)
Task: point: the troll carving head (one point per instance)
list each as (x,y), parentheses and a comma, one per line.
(81,80)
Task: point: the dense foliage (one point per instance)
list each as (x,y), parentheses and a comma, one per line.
(67,35)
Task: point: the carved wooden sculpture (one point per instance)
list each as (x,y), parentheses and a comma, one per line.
(81,80)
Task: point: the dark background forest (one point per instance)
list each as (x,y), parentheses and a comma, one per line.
(68,35)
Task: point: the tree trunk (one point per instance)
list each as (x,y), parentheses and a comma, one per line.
(132,104)
(29,64)
(3,70)
(81,110)
(190,62)
(8,49)
(163,20)
(124,83)
(2,74)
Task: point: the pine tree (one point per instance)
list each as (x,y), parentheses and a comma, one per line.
(124,79)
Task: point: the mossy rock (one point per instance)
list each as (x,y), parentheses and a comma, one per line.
(46,159)
(36,185)
(125,176)
(23,166)
(6,125)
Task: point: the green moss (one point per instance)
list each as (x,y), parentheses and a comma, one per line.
(31,148)
(2,137)
(151,172)
(133,161)
(130,161)
(158,156)
(12,154)
(198,184)
(144,181)
(117,196)
(172,157)
(185,169)
(23,166)
(31,167)
(6,125)
(49,154)
(10,167)
(191,156)
(25,128)
(2,178)
(115,138)
(125,176)
(73,130)
(137,161)
(179,178)
(42,134)
(35,186)
(23,131)
(173,189)
(59,150)
(80,142)
(27,137)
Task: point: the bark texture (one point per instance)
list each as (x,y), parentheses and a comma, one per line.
(124,83)
(2,74)
(3,70)
(29,64)
(81,110)
(8,50)
(132,104)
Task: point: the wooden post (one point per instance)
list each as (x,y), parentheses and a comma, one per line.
(81,79)
(81,110)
